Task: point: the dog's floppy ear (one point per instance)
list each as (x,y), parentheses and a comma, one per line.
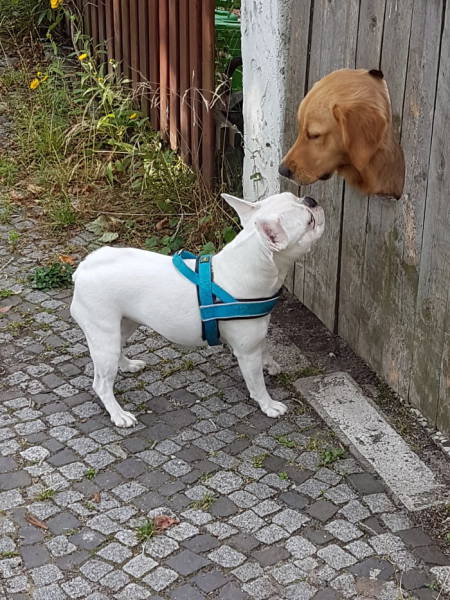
(273,233)
(362,129)
(244,209)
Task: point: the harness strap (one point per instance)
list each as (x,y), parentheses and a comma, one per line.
(210,327)
(209,292)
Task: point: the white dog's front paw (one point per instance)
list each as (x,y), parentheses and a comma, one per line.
(274,409)
(124,419)
(132,366)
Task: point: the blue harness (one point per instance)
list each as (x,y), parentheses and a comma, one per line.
(214,302)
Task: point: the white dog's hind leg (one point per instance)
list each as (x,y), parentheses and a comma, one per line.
(105,352)
(126,364)
(251,365)
(271,365)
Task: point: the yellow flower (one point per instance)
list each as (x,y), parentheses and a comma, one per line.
(44,78)
(133,116)
(38,74)
(34,84)
(83,56)
(55,3)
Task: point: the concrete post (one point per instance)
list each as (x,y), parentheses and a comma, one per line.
(264,51)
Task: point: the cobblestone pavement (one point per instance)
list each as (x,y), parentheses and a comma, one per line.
(261,515)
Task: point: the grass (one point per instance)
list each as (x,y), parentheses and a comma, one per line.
(283,475)
(331,455)
(285,441)
(287,379)
(6,293)
(46,494)
(13,239)
(204,503)
(90,473)
(258,461)
(87,157)
(8,554)
(6,211)
(146,531)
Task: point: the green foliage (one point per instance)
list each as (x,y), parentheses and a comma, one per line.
(46,494)
(90,473)
(13,239)
(146,530)
(285,441)
(8,171)
(331,455)
(6,293)
(56,275)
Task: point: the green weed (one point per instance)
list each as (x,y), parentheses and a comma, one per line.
(90,473)
(258,461)
(331,455)
(56,275)
(13,239)
(285,441)
(6,293)
(46,494)
(146,531)
(204,503)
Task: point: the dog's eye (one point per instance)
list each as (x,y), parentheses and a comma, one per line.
(312,136)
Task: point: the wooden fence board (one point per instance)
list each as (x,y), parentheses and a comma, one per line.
(208,153)
(430,374)
(350,309)
(333,46)
(381,282)
(174,74)
(185,131)
(195,60)
(297,58)
(154,70)
(134,41)
(164,66)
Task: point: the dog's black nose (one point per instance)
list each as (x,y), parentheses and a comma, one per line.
(310,202)
(285,171)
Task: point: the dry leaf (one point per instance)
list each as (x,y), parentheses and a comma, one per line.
(160,224)
(35,189)
(66,259)
(32,520)
(163,522)
(96,497)
(16,195)
(4,309)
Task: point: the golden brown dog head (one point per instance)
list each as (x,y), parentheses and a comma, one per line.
(345,126)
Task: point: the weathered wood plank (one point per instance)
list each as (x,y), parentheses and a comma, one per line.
(350,310)
(333,46)
(381,287)
(296,82)
(430,375)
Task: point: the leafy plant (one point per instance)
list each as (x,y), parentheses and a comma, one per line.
(285,441)
(204,503)
(90,473)
(13,239)
(46,494)
(146,530)
(56,275)
(331,455)
(258,461)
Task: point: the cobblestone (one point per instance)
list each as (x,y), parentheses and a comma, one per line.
(257,519)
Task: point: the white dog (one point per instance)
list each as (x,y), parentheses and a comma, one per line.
(116,289)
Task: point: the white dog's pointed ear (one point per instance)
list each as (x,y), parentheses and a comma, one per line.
(244,209)
(273,233)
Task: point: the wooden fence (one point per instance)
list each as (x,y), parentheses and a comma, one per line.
(381,275)
(166,48)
